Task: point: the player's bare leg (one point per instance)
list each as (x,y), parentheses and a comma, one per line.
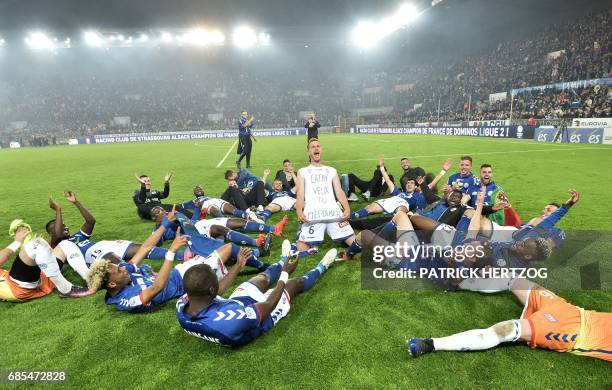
(423,223)
(273,208)
(228,208)
(486,226)
(218,231)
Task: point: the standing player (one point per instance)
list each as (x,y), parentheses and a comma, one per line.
(312,126)
(548,321)
(252,310)
(316,205)
(245,133)
(407,200)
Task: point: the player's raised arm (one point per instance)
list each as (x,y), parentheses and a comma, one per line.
(266,173)
(166,192)
(448,163)
(556,215)
(164,273)
(299,202)
(153,239)
(20,236)
(341,196)
(243,255)
(58,225)
(383,172)
(90,221)
(474,226)
(295,179)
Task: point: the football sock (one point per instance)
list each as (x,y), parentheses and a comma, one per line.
(479,339)
(251,226)
(240,238)
(360,214)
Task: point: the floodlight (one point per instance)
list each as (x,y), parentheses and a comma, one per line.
(39,41)
(93,39)
(244,37)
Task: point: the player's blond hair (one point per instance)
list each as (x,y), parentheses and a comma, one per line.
(543,249)
(98,274)
(311,140)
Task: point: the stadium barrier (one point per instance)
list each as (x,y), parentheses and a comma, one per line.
(596,123)
(571,135)
(181,136)
(520,132)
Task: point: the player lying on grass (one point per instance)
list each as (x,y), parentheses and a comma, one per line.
(252,309)
(406,200)
(316,208)
(215,206)
(203,242)
(79,250)
(133,289)
(145,198)
(464,251)
(278,199)
(35,272)
(224,228)
(518,253)
(205,246)
(547,321)
(543,226)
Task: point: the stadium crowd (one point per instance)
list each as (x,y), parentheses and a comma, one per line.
(81,104)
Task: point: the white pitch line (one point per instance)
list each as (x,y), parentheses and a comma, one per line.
(473,154)
(204,145)
(227,154)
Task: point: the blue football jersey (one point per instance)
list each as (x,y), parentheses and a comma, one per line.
(242,129)
(545,229)
(129,299)
(279,194)
(229,322)
(473,191)
(465,181)
(416,200)
(82,240)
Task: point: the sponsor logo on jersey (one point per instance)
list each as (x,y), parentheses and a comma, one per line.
(250,313)
(550,317)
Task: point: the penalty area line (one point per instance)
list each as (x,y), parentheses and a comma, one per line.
(227,154)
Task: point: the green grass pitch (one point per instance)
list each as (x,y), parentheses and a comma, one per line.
(337,335)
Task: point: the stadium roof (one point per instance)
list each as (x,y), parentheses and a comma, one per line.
(451,28)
